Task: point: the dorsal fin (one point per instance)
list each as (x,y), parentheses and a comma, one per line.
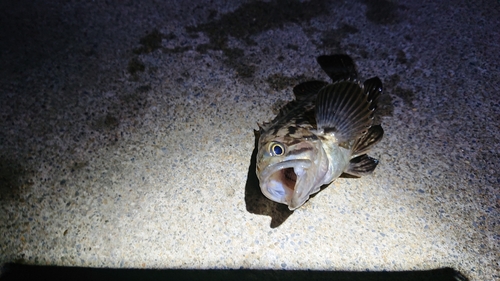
(373,89)
(338,67)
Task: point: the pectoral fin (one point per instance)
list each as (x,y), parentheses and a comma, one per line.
(361,166)
(344,110)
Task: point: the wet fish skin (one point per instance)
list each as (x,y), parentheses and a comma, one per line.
(324,132)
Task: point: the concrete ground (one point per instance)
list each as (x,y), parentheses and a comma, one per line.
(127,134)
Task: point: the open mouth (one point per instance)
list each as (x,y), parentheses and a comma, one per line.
(288,177)
(281,179)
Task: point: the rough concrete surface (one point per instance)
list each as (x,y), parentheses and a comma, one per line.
(127,134)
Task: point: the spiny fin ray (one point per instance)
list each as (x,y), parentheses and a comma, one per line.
(373,89)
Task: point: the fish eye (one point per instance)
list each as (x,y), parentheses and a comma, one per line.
(276,149)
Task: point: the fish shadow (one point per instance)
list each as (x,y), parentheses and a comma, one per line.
(256,202)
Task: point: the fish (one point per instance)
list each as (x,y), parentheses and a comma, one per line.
(324,133)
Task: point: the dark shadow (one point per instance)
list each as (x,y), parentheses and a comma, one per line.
(255,201)
(31,272)
(348,176)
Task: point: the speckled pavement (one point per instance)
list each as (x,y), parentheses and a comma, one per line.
(127,133)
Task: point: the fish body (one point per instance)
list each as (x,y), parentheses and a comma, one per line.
(324,132)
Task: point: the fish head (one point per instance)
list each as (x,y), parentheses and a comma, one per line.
(290,169)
